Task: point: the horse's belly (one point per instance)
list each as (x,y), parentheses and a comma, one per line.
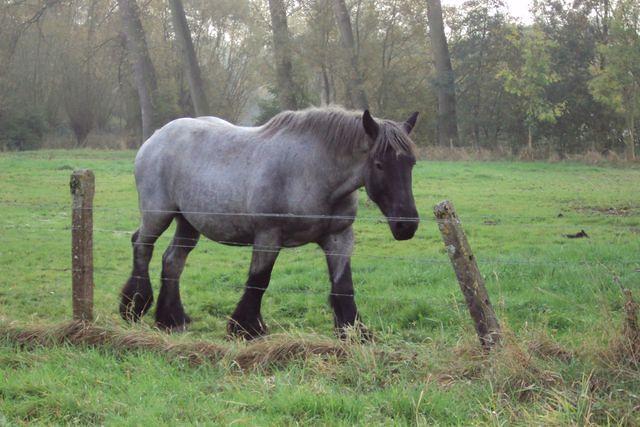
(225,229)
(312,232)
(291,235)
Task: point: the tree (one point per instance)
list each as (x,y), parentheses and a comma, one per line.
(444,82)
(143,71)
(65,65)
(480,44)
(282,55)
(574,30)
(354,81)
(529,81)
(318,45)
(194,75)
(82,87)
(617,84)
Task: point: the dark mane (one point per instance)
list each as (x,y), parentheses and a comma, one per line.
(341,129)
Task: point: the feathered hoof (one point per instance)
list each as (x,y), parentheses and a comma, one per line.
(136,299)
(355,333)
(172,322)
(246,329)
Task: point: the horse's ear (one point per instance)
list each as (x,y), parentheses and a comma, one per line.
(370,126)
(410,123)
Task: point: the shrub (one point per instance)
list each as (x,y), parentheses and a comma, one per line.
(21,130)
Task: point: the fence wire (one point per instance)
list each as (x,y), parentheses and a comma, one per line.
(533,220)
(355,253)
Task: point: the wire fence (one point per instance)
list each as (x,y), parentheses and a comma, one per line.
(319,290)
(354,253)
(43,226)
(58,221)
(633,226)
(571,213)
(41,230)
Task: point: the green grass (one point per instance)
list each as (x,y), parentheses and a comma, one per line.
(541,283)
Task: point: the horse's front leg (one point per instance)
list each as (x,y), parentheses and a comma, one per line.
(246,321)
(338,248)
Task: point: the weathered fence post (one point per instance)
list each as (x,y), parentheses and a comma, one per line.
(468,274)
(82,189)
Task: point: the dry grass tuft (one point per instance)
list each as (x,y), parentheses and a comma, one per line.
(89,334)
(95,140)
(541,345)
(527,154)
(276,350)
(624,349)
(462,154)
(593,157)
(542,153)
(513,369)
(279,350)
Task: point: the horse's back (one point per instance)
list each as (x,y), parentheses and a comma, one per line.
(201,140)
(197,165)
(187,147)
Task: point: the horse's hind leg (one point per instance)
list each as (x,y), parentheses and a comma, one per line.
(136,296)
(170,314)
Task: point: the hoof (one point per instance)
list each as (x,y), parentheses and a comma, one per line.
(172,322)
(136,299)
(247,329)
(355,333)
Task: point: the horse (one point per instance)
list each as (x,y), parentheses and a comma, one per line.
(284,184)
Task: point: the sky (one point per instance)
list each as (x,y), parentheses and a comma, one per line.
(517,8)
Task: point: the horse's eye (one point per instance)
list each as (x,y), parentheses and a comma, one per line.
(378,165)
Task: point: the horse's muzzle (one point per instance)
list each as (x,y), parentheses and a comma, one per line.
(404,228)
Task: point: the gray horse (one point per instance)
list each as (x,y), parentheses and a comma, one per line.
(289,182)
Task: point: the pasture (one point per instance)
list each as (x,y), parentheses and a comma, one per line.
(558,298)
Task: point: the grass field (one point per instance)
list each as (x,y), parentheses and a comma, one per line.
(558,299)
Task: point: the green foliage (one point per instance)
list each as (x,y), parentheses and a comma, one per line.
(268,107)
(531,78)
(575,30)
(21,130)
(617,84)
(511,77)
(481,43)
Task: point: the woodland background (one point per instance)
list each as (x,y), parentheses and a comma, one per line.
(106,73)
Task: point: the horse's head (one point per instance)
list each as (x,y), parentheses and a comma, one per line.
(388,172)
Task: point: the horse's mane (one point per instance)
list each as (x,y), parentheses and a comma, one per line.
(341,130)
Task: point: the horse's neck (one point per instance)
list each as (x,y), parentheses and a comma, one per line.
(342,173)
(347,177)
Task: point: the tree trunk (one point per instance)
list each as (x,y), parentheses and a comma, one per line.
(194,76)
(631,142)
(282,54)
(445,83)
(632,125)
(325,86)
(605,32)
(143,72)
(354,81)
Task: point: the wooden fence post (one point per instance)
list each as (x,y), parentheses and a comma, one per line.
(468,274)
(82,190)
